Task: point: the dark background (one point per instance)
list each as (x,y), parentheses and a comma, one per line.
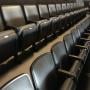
(4,2)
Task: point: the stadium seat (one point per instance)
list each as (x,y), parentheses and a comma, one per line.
(21,82)
(32,15)
(14,18)
(78,39)
(73,49)
(63,61)
(44,74)
(8,45)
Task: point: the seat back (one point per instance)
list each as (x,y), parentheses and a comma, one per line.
(75,35)
(80,29)
(22,82)
(8,45)
(68,7)
(43,73)
(31,13)
(43,10)
(13,15)
(69,43)
(60,56)
(63,7)
(30,35)
(52,10)
(58,8)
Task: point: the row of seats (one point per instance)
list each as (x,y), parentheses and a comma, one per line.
(60,68)
(27,25)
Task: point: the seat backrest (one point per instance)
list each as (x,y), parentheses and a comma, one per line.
(60,55)
(43,73)
(43,10)
(80,29)
(69,43)
(22,82)
(68,7)
(13,15)
(31,12)
(64,7)
(58,8)
(8,45)
(75,35)
(52,10)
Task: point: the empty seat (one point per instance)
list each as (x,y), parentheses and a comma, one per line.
(57,20)
(74,49)
(83,33)
(1,24)
(22,82)
(8,45)
(44,74)
(44,13)
(64,8)
(68,7)
(58,9)
(52,10)
(32,15)
(63,61)
(78,40)
(14,18)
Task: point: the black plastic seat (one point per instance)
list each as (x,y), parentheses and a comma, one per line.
(78,39)
(82,32)
(22,82)
(8,45)
(58,9)
(65,21)
(57,20)
(63,61)
(44,13)
(74,49)
(32,15)
(14,18)
(64,8)
(44,74)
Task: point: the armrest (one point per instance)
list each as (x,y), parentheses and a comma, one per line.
(67,73)
(75,57)
(80,46)
(86,33)
(85,39)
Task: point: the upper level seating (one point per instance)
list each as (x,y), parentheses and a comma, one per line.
(45,75)
(31,23)
(58,9)
(32,15)
(14,18)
